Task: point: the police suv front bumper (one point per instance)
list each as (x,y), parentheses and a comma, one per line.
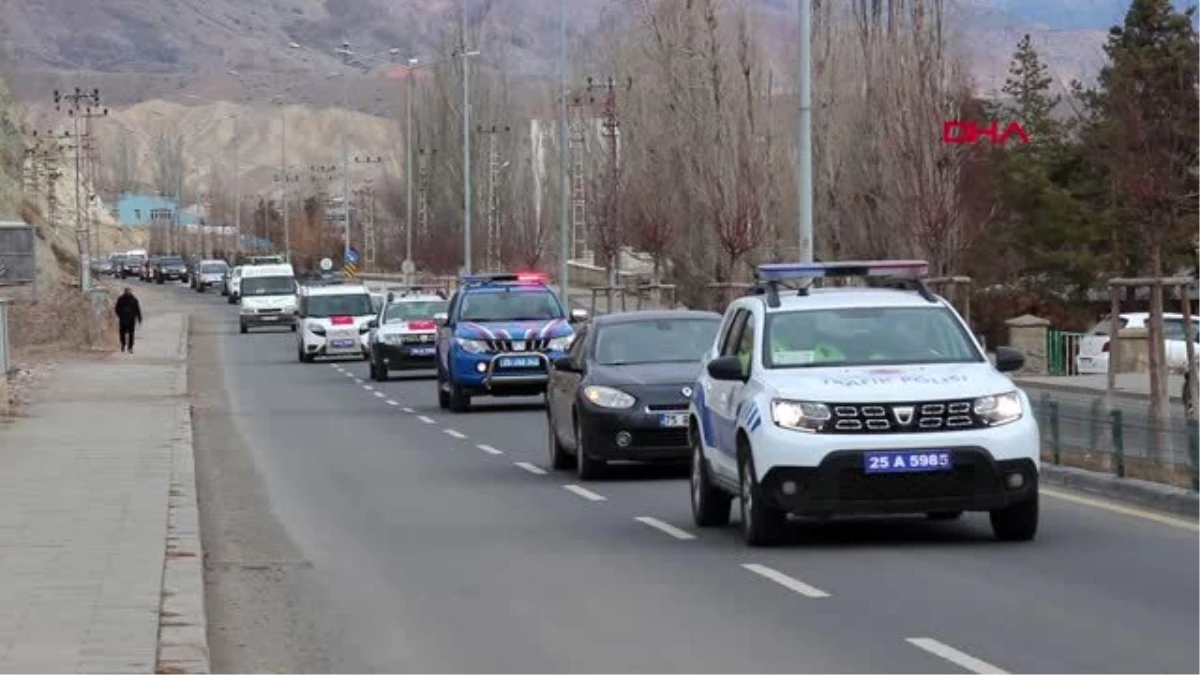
(405,356)
(496,374)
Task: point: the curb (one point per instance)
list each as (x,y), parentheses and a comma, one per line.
(182,622)
(1130,490)
(1119,394)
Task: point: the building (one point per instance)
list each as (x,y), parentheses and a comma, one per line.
(140,210)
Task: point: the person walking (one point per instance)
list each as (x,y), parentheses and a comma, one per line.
(129,314)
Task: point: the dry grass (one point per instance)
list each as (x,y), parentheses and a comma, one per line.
(62,319)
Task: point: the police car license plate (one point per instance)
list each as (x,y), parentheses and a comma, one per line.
(343,344)
(673,420)
(421,351)
(270,317)
(520,362)
(907,461)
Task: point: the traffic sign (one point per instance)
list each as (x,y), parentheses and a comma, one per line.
(408,267)
(351,256)
(351,269)
(326,264)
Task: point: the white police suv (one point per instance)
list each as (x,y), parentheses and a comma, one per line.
(867,400)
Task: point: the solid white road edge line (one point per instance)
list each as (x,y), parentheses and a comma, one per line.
(665,527)
(535,470)
(453,433)
(954,656)
(426,420)
(585,493)
(489,449)
(786,581)
(1123,510)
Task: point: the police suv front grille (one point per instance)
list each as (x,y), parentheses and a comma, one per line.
(855,485)
(504,346)
(417,339)
(899,418)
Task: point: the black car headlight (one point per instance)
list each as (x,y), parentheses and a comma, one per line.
(607,397)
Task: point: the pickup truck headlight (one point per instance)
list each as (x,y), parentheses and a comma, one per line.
(560,344)
(607,397)
(999,409)
(799,415)
(472,346)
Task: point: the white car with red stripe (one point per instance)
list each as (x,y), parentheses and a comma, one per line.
(335,321)
(405,333)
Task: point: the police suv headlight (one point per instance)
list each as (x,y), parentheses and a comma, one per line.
(391,339)
(560,344)
(472,346)
(999,409)
(607,397)
(799,415)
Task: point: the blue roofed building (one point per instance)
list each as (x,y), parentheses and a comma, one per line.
(141,210)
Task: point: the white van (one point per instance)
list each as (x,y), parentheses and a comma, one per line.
(335,320)
(267,296)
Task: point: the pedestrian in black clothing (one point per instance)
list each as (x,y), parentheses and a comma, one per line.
(129,314)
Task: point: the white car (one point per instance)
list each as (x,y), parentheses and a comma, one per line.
(405,332)
(1092,358)
(233,284)
(209,274)
(838,401)
(335,320)
(267,297)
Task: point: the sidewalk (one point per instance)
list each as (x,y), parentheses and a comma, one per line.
(98,525)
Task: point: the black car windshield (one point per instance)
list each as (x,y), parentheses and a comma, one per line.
(268,286)
(170,261)
(657,341)
(413,311)
(325,306)
(212,268)
(862,336)
(509,305)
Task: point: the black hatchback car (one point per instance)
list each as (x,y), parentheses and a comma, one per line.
(622,391)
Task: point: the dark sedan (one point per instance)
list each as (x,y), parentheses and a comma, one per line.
(622,391)
(170,268)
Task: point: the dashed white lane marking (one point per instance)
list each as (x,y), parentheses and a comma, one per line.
(535,470)
(786,581)
(391,402)
(426,420)
(954,656)
(585,493)
(1123,510)
(489,449)
(408,410)
(454,434)
(335,366)
(379,394)
(368,387)
(665,527)
(358,380)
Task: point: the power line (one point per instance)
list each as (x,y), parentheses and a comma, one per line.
(80,105)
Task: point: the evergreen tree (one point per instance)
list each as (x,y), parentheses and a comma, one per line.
(1028,84)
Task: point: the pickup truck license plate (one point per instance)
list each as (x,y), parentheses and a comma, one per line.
(673,420)
(520,362)
(907,461)
(343,344)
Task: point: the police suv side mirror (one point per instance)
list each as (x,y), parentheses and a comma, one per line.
(563,364)
(726,369)
(1009,359)
(442,318)
(373,323)
(579,315)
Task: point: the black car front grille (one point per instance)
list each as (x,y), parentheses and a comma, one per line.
(682,406)
(899,418)
(660,438)
(506,346)
(857,485)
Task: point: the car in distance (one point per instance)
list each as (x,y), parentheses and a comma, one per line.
(209,274)
(267,297)
(170,268)
(1092,358)
(405,332)
(623,389)
(334,321)
(500,334)
(234,284)
(831,401)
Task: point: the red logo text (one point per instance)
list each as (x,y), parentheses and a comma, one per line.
(967,131)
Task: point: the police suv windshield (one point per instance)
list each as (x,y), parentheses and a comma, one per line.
(509,305)
(413,311)
(268,286)
(660,341)
(866,336)
(325,306)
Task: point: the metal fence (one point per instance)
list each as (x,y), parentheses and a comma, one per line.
(1122,439)
(1061,349)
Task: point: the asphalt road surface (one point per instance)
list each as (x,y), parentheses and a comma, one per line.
(394,536)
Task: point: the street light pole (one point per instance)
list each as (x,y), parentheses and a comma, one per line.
(466,131)
(408,151)
(237,191)
(564,231)
(287,233)
(346,154)
(804,137)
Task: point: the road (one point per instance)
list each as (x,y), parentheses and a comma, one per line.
(395,536)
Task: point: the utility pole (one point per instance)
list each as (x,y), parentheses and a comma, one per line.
(286,175)
(80,103)
(578,180)
(610,129)
(369,232)
(564,233)
(346,53)
(90,165)
(494,167)
(804,137)
(283,172)
(466,132)
(423,193)
(237,194)
(409,265)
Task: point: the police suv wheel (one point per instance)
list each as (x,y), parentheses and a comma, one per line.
(460,401)
(710,504)
(1018,522)
(559,457)
(761,524)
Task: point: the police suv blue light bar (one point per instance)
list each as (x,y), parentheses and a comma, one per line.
(523,277)
(896,269)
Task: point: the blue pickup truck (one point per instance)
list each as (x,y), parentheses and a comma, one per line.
(499,337)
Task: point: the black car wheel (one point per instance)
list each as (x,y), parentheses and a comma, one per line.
(761,524)
(559,457)
(1018,522)
(231,300)
(586,466)
(710,504)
